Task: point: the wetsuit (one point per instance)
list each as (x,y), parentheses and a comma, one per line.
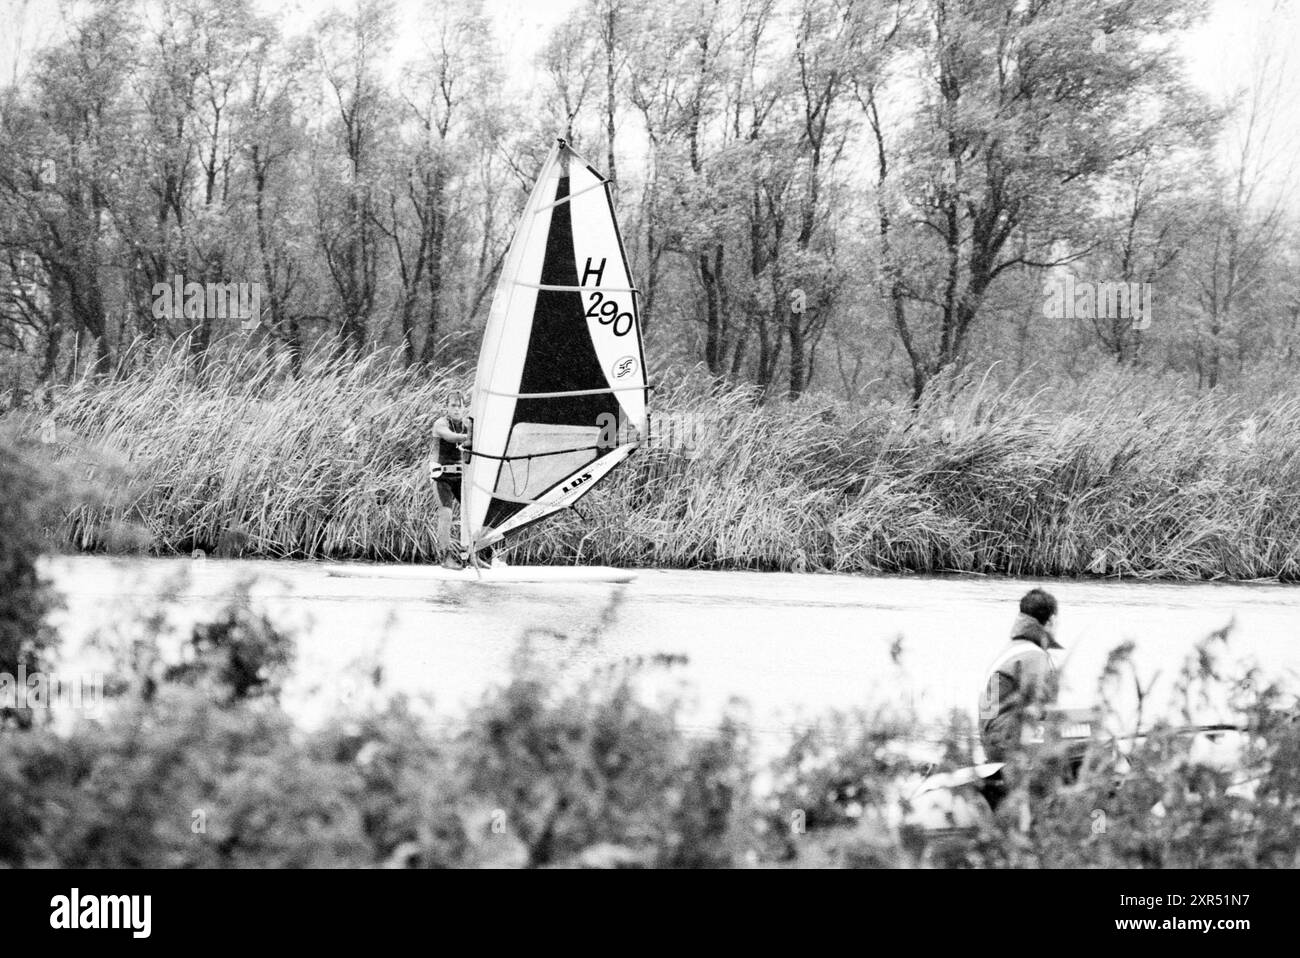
(449,454)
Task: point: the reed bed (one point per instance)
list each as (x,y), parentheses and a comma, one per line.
(245,458)
(1119,477)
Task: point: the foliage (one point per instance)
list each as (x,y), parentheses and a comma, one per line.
(1116,477)
(181,781)
(239,652)
(595,769)
(25,597)
(1170,796)
(912,173)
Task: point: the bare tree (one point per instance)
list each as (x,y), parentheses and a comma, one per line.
(1245,214)
(352,46)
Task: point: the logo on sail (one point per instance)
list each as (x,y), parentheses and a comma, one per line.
(624,367)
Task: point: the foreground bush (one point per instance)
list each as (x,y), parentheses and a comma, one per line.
(1122,476)
(25,598)
(199,766)
(195,764)
(36,493)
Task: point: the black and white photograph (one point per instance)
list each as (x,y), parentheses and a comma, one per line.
(662,435)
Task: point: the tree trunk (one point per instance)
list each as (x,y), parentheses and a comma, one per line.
(713,334)
(798,371)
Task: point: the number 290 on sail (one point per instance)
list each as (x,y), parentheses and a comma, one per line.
(606,311)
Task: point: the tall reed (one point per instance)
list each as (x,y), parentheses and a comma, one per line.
(328,463)
(1119,477)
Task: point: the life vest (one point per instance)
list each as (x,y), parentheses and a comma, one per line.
(450,453)
(1005,698)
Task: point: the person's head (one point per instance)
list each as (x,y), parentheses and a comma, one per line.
(1039,605)
(455,404)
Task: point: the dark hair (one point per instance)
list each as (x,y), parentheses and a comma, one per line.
(1038,605)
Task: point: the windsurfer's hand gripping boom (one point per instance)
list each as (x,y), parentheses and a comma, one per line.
(443,430)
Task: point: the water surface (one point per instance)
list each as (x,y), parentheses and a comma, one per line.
(791,646)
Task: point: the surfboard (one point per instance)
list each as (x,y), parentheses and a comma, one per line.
(522,574)
(559,396)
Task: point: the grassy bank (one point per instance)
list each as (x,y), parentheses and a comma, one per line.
(1118,477)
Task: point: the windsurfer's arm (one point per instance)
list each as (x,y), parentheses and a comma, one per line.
(442,429)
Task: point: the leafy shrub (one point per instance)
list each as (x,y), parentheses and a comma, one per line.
(240,651)
(180,781)
(593,770)
(25,598)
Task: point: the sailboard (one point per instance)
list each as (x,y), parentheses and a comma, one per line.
(560,393)
(515,574)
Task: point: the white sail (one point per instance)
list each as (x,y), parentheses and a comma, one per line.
(560,395)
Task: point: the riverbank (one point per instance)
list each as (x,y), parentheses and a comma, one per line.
(1118,477)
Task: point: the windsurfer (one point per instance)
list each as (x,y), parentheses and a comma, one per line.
(445,469)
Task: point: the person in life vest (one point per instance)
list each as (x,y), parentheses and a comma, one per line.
(445,470)
(1022,680)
